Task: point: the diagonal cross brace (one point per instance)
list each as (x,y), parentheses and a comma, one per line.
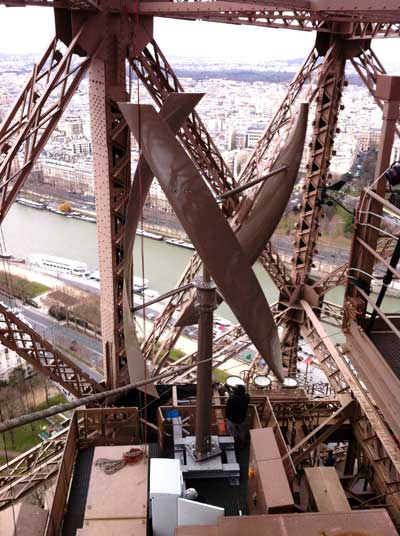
(341,415)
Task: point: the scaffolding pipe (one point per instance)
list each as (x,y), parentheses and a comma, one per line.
(10,424)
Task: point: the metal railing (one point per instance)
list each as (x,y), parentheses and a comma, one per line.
(373,268)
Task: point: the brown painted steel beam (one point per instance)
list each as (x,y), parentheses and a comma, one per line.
(112,175)
(111,157)
(331,84)
(30,123)
(31,469)
(290,347)
(271,15)
(334,421)
(35,350)
(268,147)
(158,77)
(370,208)
(75,5)
(381,381)
(277,270)
(369,67)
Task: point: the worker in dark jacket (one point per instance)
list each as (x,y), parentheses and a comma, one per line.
(330,460)
(236,414)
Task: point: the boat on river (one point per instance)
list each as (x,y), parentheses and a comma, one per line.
(58,264)
(148,234)
(29,203)
(90,219)
(139,284)
(180,243)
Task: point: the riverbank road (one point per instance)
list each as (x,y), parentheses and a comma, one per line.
(87,348)
(87,351)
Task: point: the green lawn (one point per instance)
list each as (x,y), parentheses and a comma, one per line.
(218,375)
(53,401)
(25,437)
(175,354)
(20,287)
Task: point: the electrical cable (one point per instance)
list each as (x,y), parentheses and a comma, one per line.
(10,487)
(7,273)
(141,201)
(46,461)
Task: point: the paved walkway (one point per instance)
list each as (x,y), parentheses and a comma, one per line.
(10,453)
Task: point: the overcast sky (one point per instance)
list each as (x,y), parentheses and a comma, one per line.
(30,29)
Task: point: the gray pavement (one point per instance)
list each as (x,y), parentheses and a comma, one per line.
(88,348)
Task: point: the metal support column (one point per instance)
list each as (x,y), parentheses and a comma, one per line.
(206,303)
(111,156)
(331,84)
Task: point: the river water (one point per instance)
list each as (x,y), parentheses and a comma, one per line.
(27,230)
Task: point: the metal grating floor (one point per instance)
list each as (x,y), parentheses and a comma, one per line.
(219,492)
(387,343)
(74,515)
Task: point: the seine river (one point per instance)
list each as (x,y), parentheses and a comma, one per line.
(27,230)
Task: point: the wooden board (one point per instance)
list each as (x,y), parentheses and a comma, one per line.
(7,520)
(360,523)
(275,487)
(31,520)
(264,445)
(326,490)
(122,495)
(113,527)
(192,530)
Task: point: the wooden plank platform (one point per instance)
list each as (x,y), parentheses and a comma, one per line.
(120,496)
(113,527)
(200,530)
(326,490)
(356,523)
(268,490)
(361,523)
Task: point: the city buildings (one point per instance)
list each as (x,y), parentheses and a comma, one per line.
(9,360)
(234,110)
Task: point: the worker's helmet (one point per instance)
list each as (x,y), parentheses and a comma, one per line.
(191,494)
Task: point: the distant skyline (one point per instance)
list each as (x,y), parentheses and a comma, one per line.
(25,30)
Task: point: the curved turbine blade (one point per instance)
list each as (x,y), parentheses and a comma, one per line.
(269,206)
(208,229)
(275,193)
(174,111)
